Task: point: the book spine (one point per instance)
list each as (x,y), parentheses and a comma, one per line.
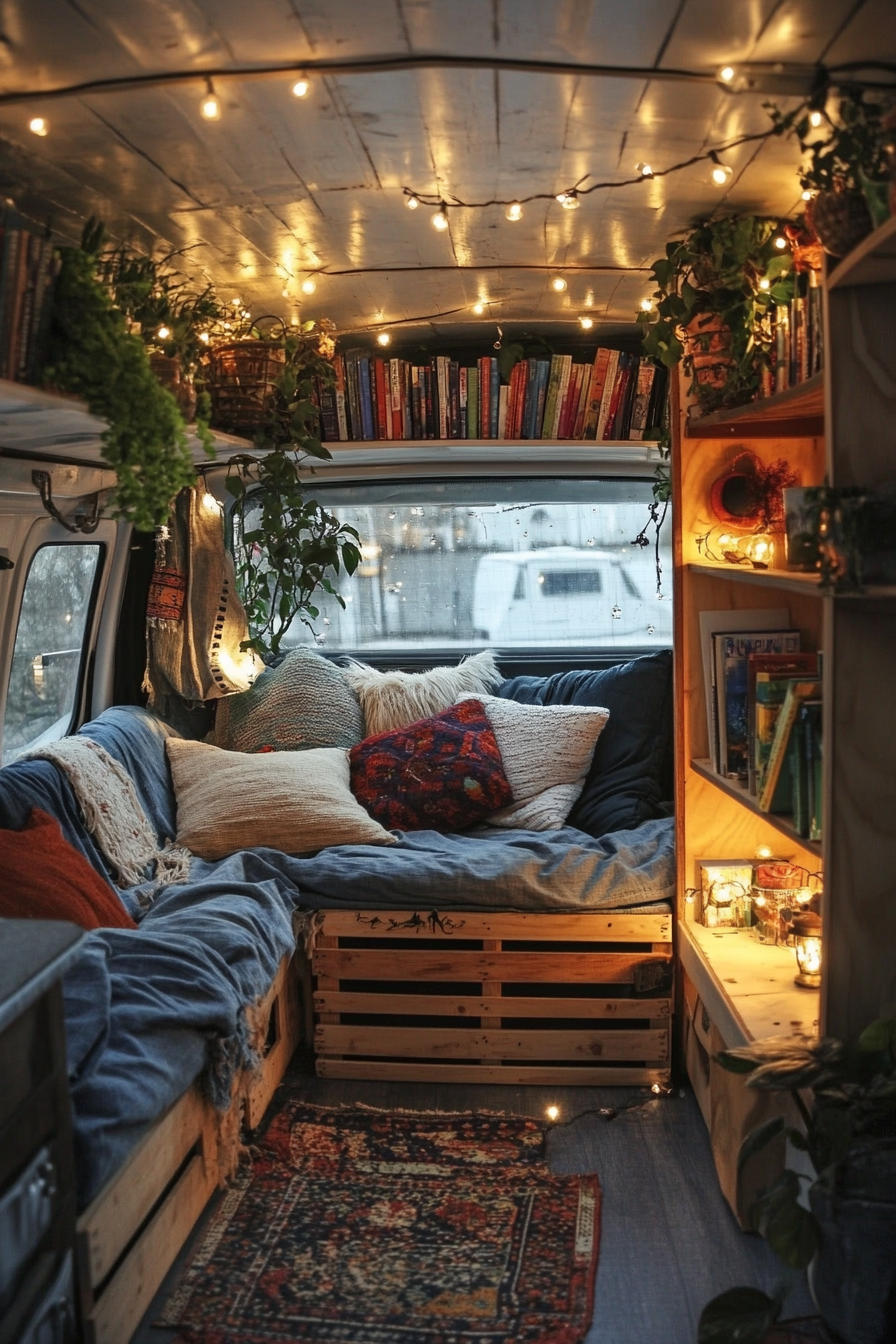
(407,399)
(578,426)
(329,416)
(454,399)
(550,401)
(354,396)
(624,421)
(418,410)
(646,373)
(798,775)
(494,387)
(365,392)
(530,401)
(567,385)
(511,423)
(769,797)
(595,392)
(382,408)
(544,373)
(562,386)
(606,396)
(782,347)
(341,417)
(462,402)
(428,408)
(503,396)
(473,403)
(615,396)
(442,374)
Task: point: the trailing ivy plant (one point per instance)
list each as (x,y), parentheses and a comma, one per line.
(92,354)
(849,150)
(708,293)
(286,546)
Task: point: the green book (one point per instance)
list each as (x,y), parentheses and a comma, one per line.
(811,715)
(472,403)
(799,775)
(768,698)
(773,798)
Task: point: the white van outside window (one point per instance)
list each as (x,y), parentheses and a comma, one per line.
(48,656)
(506,562)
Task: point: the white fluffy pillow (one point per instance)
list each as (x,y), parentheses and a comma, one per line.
(395,699)
(295,801)
(547,752)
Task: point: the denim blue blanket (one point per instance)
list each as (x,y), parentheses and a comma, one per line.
(150,1010)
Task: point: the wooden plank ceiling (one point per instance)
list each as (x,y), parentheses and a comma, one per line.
(279,187)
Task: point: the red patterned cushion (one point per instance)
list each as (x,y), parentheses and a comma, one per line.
(439,774)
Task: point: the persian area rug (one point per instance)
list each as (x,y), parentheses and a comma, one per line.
(359,1226)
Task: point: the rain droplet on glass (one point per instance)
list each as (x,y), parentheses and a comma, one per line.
(651,629)
(326,620)
(320,639)
(392,514)
(590,541)
(616,613)
(525,534)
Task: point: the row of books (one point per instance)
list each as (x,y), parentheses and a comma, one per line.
(621,396)
(798,348)
(763,701)
(26,271)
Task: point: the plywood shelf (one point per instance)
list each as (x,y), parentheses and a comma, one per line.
(873,262)
(742,795)
(798,413)
(746,986)
(790,581)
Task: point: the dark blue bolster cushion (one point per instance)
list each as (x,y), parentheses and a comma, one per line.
(630,777)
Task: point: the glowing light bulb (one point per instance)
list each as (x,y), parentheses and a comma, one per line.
(553,1112)
(780,243)
(726,74)
(412,203)
(569,200)
(806,195)
(204,337)
(39,126)
(720,174)
(646,305)
(764,283)
(815,118)
(514,211)
(587,323)
(163,333)
(237,303)
(558,284)
(440,220)
(301,87)
(763,852)
(210,107)
(384,338)
(644,169)
(308,286)
(478,309)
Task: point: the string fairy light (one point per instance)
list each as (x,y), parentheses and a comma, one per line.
(210,108)
(39,126)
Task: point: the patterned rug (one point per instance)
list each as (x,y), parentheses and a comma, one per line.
(359,1226)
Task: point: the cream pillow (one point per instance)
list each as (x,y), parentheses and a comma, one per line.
(296,801)
(546,751)
(395,699)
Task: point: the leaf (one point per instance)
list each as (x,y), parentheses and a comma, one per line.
(879,1035)
(735,1063)
(759,1138)
(738,1316)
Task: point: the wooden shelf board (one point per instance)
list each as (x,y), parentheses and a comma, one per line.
(873,262)
(741,794)
(746,986)
(797,412)
(791,581)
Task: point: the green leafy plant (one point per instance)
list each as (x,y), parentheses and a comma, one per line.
(850,147)
(853,1089)
(711,309)
(92,353)
(286,546)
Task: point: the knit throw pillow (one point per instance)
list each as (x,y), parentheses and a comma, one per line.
(395,699)
(294,801)
(547,752)
(305,702)
(443,773)
(42,876)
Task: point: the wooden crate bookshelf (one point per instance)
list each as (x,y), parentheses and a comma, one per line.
(577,1000)
(855,401)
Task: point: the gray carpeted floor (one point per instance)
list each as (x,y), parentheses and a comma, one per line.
(668,1239)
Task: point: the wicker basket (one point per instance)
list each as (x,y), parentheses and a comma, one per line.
(168,371)
(841,219)
(241,377)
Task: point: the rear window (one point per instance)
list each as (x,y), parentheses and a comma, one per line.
(47,660)
(503,562)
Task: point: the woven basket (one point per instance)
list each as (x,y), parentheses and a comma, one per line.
(168,371)
(841,219)
(241,377)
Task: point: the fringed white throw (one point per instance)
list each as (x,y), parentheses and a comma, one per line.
(112,813)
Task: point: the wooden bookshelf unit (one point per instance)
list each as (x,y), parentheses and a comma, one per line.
(854,401)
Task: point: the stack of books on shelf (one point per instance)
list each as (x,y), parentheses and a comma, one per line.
(763,706)
(620,397)
(798,348)
(26,270)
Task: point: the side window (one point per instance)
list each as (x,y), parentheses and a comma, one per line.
(48,657)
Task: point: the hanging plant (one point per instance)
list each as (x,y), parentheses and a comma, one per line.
(92,354)
(716,289)
(286,546)
(847,161)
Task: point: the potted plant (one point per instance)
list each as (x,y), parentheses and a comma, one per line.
(847,160)
(713,301)
(845,1095)
(286,546)
(92,353)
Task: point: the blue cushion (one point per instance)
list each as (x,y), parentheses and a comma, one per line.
(630,776)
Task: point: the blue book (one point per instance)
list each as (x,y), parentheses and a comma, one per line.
(731,653)
(366,398)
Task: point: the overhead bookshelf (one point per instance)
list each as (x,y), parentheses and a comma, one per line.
(797,411)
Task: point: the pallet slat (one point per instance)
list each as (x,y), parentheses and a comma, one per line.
(572,967)
(647,1046)
(511,1074)
(454,1005)
(594,928)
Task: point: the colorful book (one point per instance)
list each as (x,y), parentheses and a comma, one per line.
(494,384)
(462,401)
(550,401)
(811,713)
(646,375)
(607,394)
(770,797)
(485,378)
(382,409)
(731,650)
(503,390)
(595,393)
(728,621)
(582,408)
(779,665)
(473,404)
(544,373)
(341,418)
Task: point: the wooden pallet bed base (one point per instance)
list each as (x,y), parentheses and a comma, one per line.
(516,1005)
(132,1232)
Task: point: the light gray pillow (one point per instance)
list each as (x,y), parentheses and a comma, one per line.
(395,699)
(305,702)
